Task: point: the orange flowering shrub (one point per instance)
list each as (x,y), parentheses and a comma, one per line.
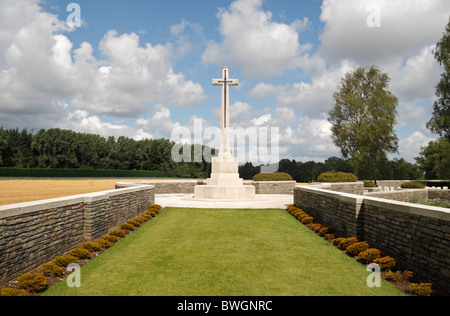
(32,282)
(357,247)
(369,255)
(385,263)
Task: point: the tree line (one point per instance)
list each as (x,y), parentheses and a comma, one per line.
(305,172)
(65,149)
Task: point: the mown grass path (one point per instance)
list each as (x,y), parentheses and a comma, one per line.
(203,252)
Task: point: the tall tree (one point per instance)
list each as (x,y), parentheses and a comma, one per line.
(363,119)
(434,159)
(440,122)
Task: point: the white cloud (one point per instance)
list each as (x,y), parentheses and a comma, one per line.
(406,26)
(410,147)
(415,77)
(40,70)
(253,41)
(80,121)
(313,99)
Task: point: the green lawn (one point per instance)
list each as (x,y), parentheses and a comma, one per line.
(199,252)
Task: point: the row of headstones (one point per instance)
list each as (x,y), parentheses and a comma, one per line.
(387,189)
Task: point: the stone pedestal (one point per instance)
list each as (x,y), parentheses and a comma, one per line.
(224,183)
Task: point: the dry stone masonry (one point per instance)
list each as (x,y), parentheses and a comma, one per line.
(417,236)
(34,233)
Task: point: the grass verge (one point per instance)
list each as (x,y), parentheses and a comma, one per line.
(204,252)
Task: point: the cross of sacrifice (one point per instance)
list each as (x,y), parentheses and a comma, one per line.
(225,109)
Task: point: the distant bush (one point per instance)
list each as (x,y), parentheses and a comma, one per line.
(51,269)
(369,255)
(278,176)
(64,261)
(32,282)
(110,238)
(357,247)
(421,289)
(81,253)
(307,220)
(369,184)
(385,263)
(346,242)
(412,185)
(333,176)
(92,246)
(134,223)
(118,233)
(13,292)
(104,242)
(127,226)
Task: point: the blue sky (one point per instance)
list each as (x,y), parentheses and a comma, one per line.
(142,68)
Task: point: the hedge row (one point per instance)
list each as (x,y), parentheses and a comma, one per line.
(75,173)
(333,176)
(362,252)
(276,176)
(37,282)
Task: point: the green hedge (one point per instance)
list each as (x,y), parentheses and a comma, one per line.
(78,173)
(278,176)
(333,176)
(412,185)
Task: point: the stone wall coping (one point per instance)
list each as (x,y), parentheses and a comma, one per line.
(345,197)
(410,208)
(271,181)
(36,206)
(404,207)
(397,191)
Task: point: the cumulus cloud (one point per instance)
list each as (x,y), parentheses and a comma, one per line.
(41,73)
(252,40)
(313,99)
(405,26)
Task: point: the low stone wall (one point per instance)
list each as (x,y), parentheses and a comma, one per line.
(166,187)
(274,187)
(34,233)
(346,187)
(402,195)
(439,194)
(187,186)
(417,236)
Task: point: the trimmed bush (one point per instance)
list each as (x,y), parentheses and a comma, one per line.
(81,253)
(346,242)
(277,176)
(333,176)
(412,185)
(134,222)
(110,238)
(421,289)
(385,263)
(118,233)
(357,247)
(369,184)
(155,208)
(127,226)
(104,243)
(92,246)
(307,220)
(369,255)
(13,292)
(32,282)
(64,261)
(52,270)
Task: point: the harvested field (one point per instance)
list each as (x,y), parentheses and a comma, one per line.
(18,191)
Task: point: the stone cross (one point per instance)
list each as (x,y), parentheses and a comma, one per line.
(225,111)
